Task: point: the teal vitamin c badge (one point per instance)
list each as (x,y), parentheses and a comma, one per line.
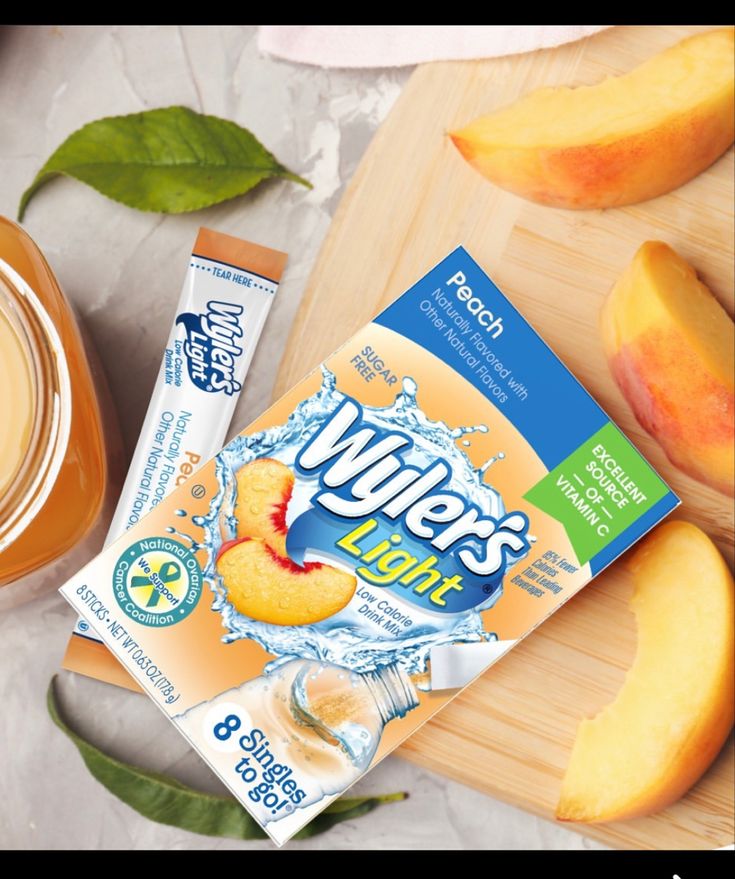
(157,582)
(598,491)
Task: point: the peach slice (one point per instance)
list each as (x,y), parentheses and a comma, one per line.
(645,750)
(624,140)
(264,488)
(263,585)
(671,349)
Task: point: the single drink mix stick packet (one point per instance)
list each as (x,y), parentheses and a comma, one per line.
(227,294)
(383,533)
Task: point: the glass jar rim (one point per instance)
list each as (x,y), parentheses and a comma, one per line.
(49,438)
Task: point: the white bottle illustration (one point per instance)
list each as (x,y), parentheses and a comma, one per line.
(350,709)
(305,731)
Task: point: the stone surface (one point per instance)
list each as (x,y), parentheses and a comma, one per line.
(123,270)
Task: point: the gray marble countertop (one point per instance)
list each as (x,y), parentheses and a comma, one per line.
(123,271)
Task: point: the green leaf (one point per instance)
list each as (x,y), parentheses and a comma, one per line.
(168,801)
(169,160)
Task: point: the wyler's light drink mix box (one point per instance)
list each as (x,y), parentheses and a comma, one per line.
(387,529)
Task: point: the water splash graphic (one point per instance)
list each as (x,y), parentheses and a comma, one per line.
(343,638)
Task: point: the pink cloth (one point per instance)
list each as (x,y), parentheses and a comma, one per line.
(395,45)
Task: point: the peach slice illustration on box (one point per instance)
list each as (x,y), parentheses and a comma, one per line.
(264,488)
(261,581)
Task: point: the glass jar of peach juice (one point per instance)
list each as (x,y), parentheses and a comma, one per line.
(59,439)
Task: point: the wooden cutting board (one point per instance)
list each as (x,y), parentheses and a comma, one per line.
(411,201)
